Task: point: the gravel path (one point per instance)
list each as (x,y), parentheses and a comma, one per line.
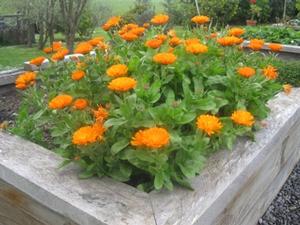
(284,210)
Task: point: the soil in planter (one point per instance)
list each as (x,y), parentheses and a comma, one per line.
(9,105)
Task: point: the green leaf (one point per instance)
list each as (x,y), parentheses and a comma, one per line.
(86,174)
(206,104)
(187,118)
(115,122)
(159,181)
(64,163)
(119,146)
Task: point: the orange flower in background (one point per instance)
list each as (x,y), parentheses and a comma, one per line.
(192,41)
(139,31)
(160,19)
(213,35)
(270,72)
(275,47)
(209,124)
(60,102)
(103,46)
(174,41)
(129,36)
(78,75)
(117,70)
(47,50)
(37,61)
(112,22)
(127,27)
(80,103)
(229,41)
(153,43)
(242,117)
(196,48)
(246,71)
(287,88)
(236,32)
(60,55)
(146,25)
(256,44)
(161,37)
(172,33)
(95,41)
(83,48)
(88,134)
(56,46)
(122,84)
(164,58)
(100,114)
(200,19)
(24,80)
(153,138)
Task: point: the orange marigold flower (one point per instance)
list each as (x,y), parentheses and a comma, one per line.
(200,19)
(172,33)
(122,84)
(83,48)
(118,70)
(56,46)
(146,25)
(80,103)
(164,58)
(127,27)
(95,41)
(287,88)
(160,19)
(174,41)
(112,22)
(47,50)
(270,72)
(88,134)
(60,102)
(275,47)
(78,75)
(100,114)
(102,46)
(37,61)
(161,37)
(236,32)
(192,41)
(213,35)
(129,36)
(139,31)
(196,48)
(60,55)
(256,44)
(229,41)
(242,117)
(246,71)
(24,80)
(154,43)
(209,124)
(152,138)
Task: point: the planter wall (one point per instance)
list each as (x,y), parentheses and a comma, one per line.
(235,188)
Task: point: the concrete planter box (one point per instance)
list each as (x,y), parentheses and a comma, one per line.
(235,188)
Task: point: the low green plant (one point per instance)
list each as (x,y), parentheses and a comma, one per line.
(289,72)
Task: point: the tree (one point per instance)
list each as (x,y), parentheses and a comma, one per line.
(71,11)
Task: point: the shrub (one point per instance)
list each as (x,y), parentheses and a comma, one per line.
(149,116)
(142,12)
(289,72)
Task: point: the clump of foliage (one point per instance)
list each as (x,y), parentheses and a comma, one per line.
(142,12)
(149,108)
(284,35)
(289,72)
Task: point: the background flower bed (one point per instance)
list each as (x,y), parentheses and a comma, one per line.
(150,107)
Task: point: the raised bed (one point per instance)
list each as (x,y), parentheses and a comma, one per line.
(235,188)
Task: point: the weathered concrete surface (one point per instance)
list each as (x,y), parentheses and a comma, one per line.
(9,76)
(234,189)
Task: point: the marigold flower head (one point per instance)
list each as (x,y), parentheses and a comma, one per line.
(139,31)
(246,71)
(172,33)
(270,72)
(242,117)
(236,32)
(103,46)
(209,124)
(56,46)
(60,55)
(161,37)
(60,102)
(229,41)
(164,58)
(129,36)
(78,75)
(112,22)
(80,103)
(24,80)
(88,134)
(152,138)
(256,44)
(146,25)
(95,41)
(37,61)
(83,48)
(153,43)
(213,35)
(192,41)
(47,50)
(275,47)
(118,70)
(174,41)
(200,19)
(100,114)
(122,84)
(196,48)
(160,19)
(287,88)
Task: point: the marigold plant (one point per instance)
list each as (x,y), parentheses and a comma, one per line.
(151,105)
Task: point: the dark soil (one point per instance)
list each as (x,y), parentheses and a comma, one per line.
(9,104)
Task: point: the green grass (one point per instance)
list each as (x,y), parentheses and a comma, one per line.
(14,56)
